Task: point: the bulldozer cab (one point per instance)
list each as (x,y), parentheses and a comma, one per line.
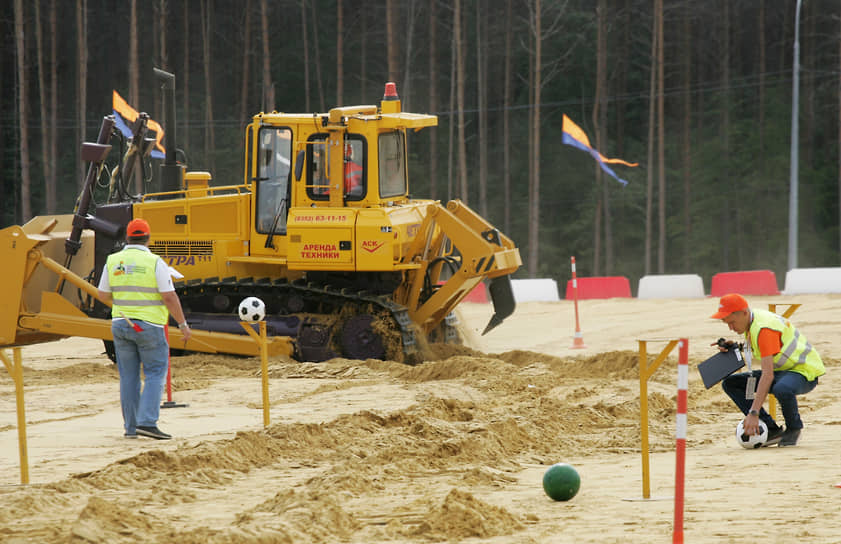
(350,158)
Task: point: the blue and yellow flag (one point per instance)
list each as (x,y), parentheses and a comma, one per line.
(125,115)
(574,136)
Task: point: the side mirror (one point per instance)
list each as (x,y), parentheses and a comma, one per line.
(299,164)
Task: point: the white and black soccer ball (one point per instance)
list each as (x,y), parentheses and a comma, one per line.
(252,309)
(752,441)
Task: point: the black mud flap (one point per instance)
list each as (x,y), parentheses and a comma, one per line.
(502,296)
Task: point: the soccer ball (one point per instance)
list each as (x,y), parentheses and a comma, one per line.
(252,309)
(754,441)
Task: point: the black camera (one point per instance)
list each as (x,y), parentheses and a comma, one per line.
(729,345)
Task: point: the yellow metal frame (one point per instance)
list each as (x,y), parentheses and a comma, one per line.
(15,369)
(646,371)
(264,363)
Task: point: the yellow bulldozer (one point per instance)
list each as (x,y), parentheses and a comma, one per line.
(322,229)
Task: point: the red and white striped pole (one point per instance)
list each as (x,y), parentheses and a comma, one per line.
(578,339)
(680,434)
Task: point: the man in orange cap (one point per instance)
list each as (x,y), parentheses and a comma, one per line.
(138,285)
(790,366)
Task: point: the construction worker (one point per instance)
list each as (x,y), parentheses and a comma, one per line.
(790,366)
(353,174)
(138,285)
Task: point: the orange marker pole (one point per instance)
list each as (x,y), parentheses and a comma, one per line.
(168,367)
(680,436)
(169,403)
(578,340)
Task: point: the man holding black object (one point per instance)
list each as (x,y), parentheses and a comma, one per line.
(790,366)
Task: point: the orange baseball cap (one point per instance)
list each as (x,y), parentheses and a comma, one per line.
(137,228)
(728,304)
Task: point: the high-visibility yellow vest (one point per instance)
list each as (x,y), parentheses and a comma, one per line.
(131,274)
(796,353)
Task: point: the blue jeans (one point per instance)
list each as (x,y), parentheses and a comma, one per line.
(785,387)
(149,348)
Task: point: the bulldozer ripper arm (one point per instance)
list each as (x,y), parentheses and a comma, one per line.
(457,236)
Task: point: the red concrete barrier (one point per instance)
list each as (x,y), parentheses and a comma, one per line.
(478,294)
(746,282)
(601,287)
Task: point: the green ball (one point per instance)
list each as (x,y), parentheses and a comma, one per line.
(561,482)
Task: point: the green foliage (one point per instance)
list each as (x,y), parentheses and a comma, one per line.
(730,214)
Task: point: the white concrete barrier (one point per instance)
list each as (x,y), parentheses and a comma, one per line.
(543,290)
(801,281)
(671,286)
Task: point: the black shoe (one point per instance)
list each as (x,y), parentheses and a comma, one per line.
(153,432)
(790,437)
(774,437)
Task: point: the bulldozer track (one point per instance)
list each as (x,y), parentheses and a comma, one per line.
(316,305)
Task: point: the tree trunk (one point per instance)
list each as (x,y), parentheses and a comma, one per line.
(210,133)
(186,77)
(534,186)
(82,59)
(599,119)
(133,60)
(340,50)
(686,140)
(134,84)
(23,120)
(728,219)
(304,41)
(762,67)
(462,145)
(807,66)
(244,112)
(452,122)
(268,84)
(482,96)
(649,190)
(391,41)
(408,34)
(433,99)
(316,41)
(49,165)
(363,66)
(661,146)
(52,155)
(506,124)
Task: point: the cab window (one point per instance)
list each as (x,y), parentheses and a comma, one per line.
(273,168)
(318,186)
(392,161)
(354,174)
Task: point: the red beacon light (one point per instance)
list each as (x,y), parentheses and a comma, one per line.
(390,102)
(390,91)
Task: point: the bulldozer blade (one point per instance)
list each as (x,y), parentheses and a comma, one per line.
(502,296)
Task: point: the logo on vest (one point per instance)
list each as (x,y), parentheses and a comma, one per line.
(121,269)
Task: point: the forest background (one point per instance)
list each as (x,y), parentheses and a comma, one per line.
(698,92)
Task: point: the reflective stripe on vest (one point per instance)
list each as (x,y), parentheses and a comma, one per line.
(134,286)
(796,353)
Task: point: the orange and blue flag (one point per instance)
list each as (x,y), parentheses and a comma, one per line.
(125,116)
(574,136)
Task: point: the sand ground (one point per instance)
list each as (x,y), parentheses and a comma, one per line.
(451,450)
